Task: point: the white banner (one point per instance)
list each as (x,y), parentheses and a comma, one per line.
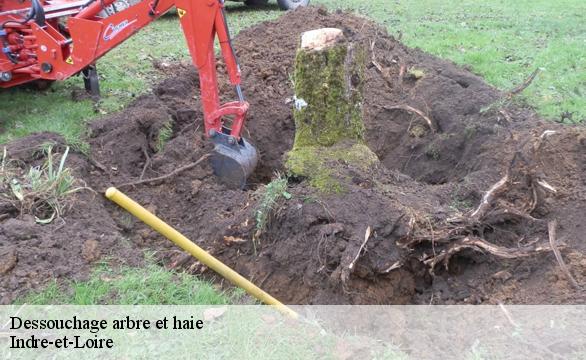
(320,332)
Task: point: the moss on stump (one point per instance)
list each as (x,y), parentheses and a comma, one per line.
(328,88)
(324,165)
(329,127)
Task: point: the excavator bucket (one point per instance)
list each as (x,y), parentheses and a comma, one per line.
(233,161)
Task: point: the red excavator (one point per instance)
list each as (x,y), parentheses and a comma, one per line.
(48,40)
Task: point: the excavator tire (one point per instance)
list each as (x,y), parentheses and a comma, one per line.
(42,84)
(292,4)
(256,2)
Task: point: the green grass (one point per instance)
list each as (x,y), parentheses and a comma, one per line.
(149,285)
(499,39)
(42,191)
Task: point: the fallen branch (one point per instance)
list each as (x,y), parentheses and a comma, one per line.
(503,100)
(524,85)
(170,175)
(551,227)
(410,109)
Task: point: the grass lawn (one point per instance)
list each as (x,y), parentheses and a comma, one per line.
(504,41)
(501,40)
(148,285)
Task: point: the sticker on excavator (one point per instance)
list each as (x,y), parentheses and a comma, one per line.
(181,12)
(69,60)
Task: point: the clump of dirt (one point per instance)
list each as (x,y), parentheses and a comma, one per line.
(413,230)
(32,254)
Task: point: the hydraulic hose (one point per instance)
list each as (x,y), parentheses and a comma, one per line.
(6,50)
(37,12)
(36,7)
(238,87)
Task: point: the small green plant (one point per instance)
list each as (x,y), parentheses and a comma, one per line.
(432,152)
(460,201)
(460,204)
(165,133)
(272,193)
(79,145)
(470,131)
(416,73)
(44,190)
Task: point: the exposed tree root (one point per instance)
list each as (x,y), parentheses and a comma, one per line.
(413,110)
(170,175)
(552,227)
(510,200)
(147,162)
(481,245)
(346,272)
(382,70)
(489,197)
(97,164)
(501,103)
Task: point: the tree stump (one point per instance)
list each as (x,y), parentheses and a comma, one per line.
(329,127)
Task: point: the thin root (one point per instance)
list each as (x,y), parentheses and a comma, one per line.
(170,175)
(411,109)
(551,227)
(366,237)
(147,162)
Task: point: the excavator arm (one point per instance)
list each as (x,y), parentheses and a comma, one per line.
(58,39)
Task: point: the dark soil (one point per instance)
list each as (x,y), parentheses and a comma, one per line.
(425,179)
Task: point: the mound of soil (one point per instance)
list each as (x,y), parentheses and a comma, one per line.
(406,233)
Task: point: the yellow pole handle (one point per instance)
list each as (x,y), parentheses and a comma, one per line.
(175,236)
